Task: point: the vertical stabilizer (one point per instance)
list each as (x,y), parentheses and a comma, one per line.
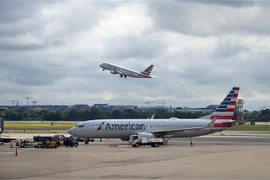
(224,112)
(148,70)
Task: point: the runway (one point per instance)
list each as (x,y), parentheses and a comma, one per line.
(212,157)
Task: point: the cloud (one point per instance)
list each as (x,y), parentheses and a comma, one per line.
(227,49)
(51,51)
(208,18)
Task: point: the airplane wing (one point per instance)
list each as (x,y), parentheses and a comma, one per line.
(117,71)
(175,131)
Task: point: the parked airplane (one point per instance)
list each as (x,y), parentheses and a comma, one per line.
(219,120)
(124,72)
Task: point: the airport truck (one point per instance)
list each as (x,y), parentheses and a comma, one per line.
(137,141)
(27,143)
(69,141)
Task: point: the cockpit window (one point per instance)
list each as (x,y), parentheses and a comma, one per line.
(79,125)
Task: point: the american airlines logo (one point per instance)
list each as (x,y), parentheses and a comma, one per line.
(100,126)
(128,126)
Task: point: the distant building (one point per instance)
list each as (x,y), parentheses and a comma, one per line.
(82,107)
(110,108)
(212,106)
(208,109)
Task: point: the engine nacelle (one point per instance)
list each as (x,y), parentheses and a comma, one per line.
(113,72)
(146,135)
(125,138)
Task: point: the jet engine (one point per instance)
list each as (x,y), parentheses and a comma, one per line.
(113,72)
(125,138)
(146,134)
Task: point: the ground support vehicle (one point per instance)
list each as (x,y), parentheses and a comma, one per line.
(137,141)
(41,138)
(27,143)
(6,140)
(69,141)
(49,144)
(59,139)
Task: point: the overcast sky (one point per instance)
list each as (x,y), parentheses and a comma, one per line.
(51,51)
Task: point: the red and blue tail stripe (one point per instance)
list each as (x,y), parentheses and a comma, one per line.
(224,112)
(147,71)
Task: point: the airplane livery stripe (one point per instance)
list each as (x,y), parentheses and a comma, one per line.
(230,110)
(223,125)
(225,110)
(222,106)
(226,106)
(232,103)
(227,99)
(222,117)
(145,73)
(222,113)
(142,75)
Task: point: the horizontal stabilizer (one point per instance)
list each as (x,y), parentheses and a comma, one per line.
(212,123)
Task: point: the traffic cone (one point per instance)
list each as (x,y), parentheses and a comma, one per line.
(16,153)
(10,144)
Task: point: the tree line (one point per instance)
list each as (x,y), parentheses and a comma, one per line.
(95,113)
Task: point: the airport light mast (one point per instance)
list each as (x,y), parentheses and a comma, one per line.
(163,103)
(148,102)
(27,98)
(34,103)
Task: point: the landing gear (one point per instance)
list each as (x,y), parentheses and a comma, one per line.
(86,141)
(121,75)
(125,76)
(89,140)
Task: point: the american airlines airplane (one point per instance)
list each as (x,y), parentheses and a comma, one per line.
(124,72)
(219,120)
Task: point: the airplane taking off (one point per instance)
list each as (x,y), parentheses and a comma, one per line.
(219,120)
(124,72)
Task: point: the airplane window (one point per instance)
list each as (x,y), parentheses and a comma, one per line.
(80,126)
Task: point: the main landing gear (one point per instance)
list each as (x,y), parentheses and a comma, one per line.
(121,75)
(88,140)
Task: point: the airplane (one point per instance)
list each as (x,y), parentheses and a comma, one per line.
(124,72)
(220,119)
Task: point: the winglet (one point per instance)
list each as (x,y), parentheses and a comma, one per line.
(212,123)
(153,116)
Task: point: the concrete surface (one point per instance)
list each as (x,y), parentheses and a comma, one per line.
(212,157)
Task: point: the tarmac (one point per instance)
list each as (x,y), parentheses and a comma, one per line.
(212,157)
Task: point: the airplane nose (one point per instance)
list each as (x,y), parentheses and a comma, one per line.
(72,131)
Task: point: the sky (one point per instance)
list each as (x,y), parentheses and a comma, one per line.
(51,51)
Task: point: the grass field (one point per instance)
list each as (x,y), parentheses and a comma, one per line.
(38,126)
(66,126)
(250,128)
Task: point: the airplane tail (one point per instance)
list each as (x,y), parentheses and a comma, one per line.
(224,112)
(148,70)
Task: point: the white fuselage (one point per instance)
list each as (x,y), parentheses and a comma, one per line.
(115,69)
(115,128)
